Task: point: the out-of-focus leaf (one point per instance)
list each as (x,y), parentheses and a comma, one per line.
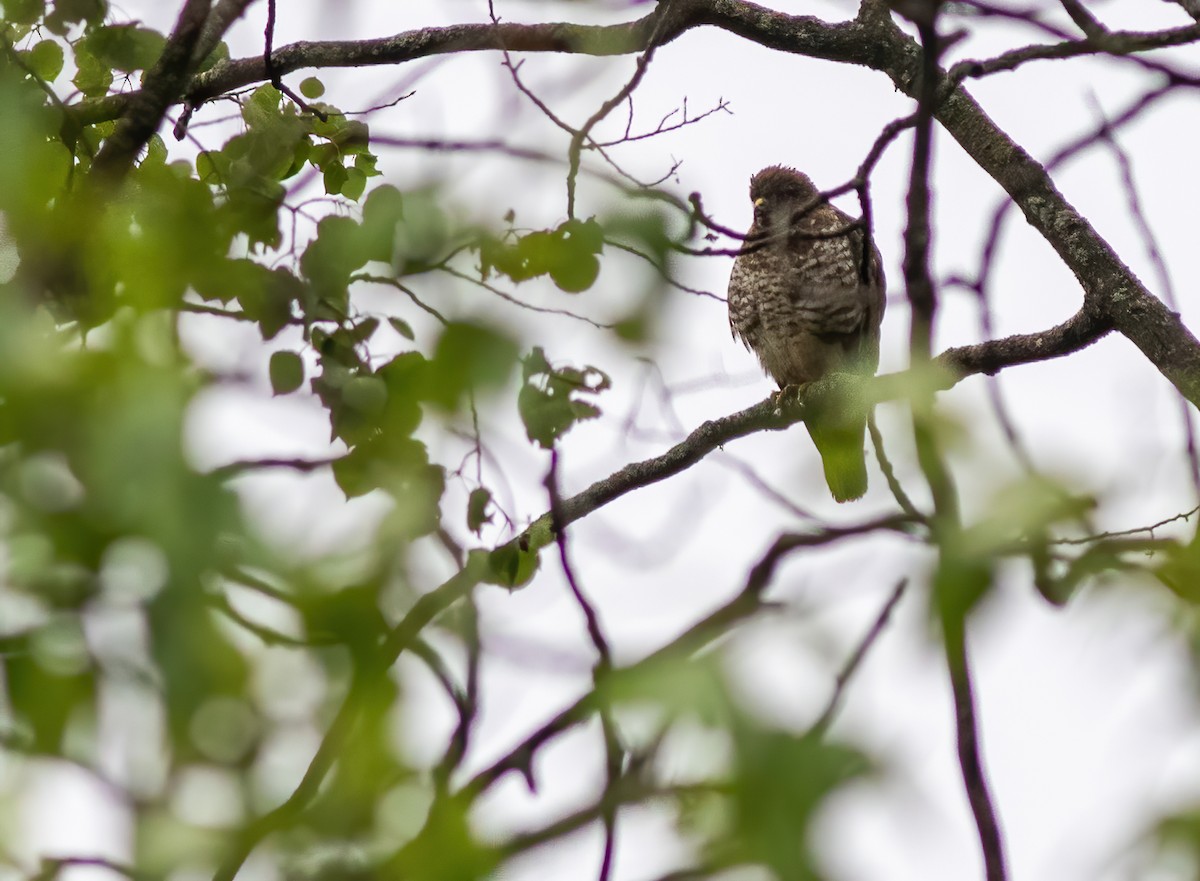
(511,566)
(92,75)
(468,358)
(125,47)
(335,177)
(422,233)
(382,211)
(312,88)
(1179,570)
(46,60)
(215,57)
(547,401)
(24,11)
(445,851)
(72,11)
(329,260)
(402,327)
(780,780)
(196,660)
(367,394)
(477,509)
(286,371)
(400,467)
(567,254)
(49,677)
(350,616)
(677,686)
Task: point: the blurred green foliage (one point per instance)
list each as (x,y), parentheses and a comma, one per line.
(131,611)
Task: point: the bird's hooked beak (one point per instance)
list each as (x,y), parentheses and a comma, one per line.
(760,210)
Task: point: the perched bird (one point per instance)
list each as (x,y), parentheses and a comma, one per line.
(808,302)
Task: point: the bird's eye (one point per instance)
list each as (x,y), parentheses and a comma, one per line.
(759,202)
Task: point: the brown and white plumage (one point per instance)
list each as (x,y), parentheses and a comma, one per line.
(807,303)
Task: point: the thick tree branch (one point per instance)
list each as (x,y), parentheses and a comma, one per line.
(1112,292)
(222,17)
(988,357)
(165,84)
(803,34)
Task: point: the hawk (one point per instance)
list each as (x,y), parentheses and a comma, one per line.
(807,303)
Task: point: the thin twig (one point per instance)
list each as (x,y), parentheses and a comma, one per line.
(855,660)
(889,473)
(969,750)
(614,753)
(1154,253)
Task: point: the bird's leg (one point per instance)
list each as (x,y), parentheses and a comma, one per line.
(789,393)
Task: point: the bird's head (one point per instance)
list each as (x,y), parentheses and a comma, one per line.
(778,193)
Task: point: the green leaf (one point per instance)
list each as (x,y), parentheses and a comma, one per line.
(382,211)
(24,11)
(92,76)
(156,151)
(312,88)
(400,467)
(355,184)
(401,327)
(477,509)
(576,274)
(780,781)
(73,11)
(366,162)
(366,394)
(352,135)
(446,850)
(125,47)
(335,177)
(511,566)
(267,296)
(287,372)
(567,254)
(405,378)
(262,106)
(46,60)
(421,233)
(364,329)
(322,154)
(216,56)
(329,259)
(48,677)
(547,401)
(682,687)
(195,659)
(469,358)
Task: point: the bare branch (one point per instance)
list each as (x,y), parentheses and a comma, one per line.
(855,660)
(989,357)
(969,752)
(745,603)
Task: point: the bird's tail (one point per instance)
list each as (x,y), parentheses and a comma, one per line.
(843,456)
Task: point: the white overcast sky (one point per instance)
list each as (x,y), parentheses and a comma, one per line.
(1088,725)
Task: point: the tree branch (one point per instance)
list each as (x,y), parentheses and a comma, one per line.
(1111,290)
(1076,333)
(164,85)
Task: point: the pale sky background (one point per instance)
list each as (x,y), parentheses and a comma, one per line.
(1088,725)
